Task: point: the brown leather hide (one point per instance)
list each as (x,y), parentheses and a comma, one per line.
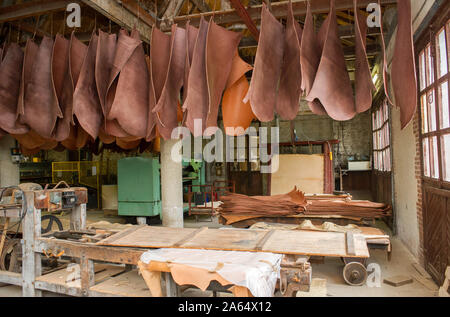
(363,78)
(167,106)
(332,84)
(269,59)
(62,85)
(33,140)
(403,75)
(128,143)
(191,37)
(196,103)
(40,106)
(221,46)
(385,64)
(288,101)
(130,106)
(235,112)
(77,139)
(10,76)
(159,66)
(86,102)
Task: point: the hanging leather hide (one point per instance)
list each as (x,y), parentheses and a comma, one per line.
(40,108)
(363,78)
(167,105)
(221,46)
(263,89)
(385,64)
(130,106)
(288,102)
(10,77)
(403,74)
(191,37)
(103,64)
(332,84)
(62,86)
(86,102)
(159,66)
(128,143)
(196,103)
(310,52)
(236,113)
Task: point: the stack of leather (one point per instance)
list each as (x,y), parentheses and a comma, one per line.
(351,208)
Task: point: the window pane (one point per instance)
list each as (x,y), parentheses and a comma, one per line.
(441,51)
(422,72)
(424,110)
(426,157)
(429,66)
(444,117)
(431,110)
(434,159)
(445,144)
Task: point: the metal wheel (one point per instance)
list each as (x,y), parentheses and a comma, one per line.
(51,220)
(355,273)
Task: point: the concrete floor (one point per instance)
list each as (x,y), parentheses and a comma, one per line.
(327,277)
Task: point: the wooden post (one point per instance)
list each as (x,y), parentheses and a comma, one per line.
(171,286)
(87,274)
(31,261)
(78,217)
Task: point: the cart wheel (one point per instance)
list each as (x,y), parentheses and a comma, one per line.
(51,219)
(355,274)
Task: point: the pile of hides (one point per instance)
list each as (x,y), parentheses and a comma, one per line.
(61,93)
(295,202)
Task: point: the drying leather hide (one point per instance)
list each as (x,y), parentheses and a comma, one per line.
(159,66)
(332,84)
(128,143)
(10,77)
(39,107)
(221,46)
(269,59)
(86,102)
(196,103)
(191,37)
(236,113)
(288,101)
(167,105)
(130,106)
(403,74)
(363,78)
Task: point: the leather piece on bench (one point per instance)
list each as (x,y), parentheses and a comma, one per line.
(159,67)
(10,77)
(166,108)
(86,102)
(332,86)
(269,59)
(403,73)
(130,106)
(310,52)
(363,77)
(191,38)
(221,46)
(39,109)
(196,103)
(288,100)
(237,114)
(62,85)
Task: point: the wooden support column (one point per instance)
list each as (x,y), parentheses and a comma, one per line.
(87,274)
(78,217)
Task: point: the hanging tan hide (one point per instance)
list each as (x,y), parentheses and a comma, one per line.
(128,143)
(288,101)
(237,115)
(263,89)
(130,106)
(10,77)
(103,64)
(86,102)
(363,78)
(191,37)
(221,46)
(40,108)
(77,139)
(310,52)
(332,84)
(32,140)
(403,75)
(166,108)
(62,86)
(196,103)
(159,66)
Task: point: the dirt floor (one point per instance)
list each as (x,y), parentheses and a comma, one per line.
(327,276)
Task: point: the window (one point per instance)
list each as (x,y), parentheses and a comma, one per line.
(434,105)
(381,139)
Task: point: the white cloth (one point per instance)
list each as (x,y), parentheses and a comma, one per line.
(258,271)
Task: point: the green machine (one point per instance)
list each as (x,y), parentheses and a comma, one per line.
(139,187)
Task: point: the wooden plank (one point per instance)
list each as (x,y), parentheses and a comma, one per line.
(31,8)
(128,284)
(11,278)
(120,234)
(398,280)
(242,12)
(189,236)
(264,239)
(350,242)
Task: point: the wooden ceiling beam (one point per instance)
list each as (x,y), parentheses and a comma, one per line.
(32,8)
(134,7)
(243,14)
(201,5)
